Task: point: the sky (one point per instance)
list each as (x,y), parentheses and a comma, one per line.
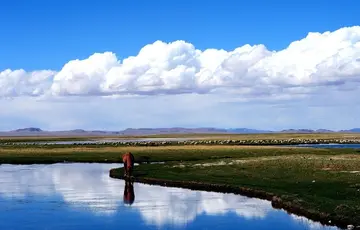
(113,65)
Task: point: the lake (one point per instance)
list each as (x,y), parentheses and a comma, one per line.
(343,146)
(83,196)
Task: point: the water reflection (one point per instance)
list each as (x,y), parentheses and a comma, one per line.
(129,195)
(336,146)
(83,196)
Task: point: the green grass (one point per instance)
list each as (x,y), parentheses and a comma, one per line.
(319,180)
(288,172)
(53,154)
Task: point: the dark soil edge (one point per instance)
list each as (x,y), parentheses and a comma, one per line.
(276,201)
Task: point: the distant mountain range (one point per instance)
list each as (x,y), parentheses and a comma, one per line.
(32,131)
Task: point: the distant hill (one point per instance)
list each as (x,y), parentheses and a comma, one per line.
(324,131)
(33,131)
(354,130)
(174,130)
(306,131)
(245,130)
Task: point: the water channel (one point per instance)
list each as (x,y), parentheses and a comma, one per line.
(83,196)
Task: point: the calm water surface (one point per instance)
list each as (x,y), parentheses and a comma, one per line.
(83,196)
(344,146)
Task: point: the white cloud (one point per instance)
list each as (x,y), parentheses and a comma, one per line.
(320,59)
(325,109)
(15,83)
(88,187)
(309,224)
(181,206)
(310,84)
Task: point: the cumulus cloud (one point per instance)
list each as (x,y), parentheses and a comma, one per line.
(88,187)
(320,59)
(14,83)
(174,206)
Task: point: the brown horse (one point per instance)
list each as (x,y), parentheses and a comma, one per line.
(129,195)
(128,160)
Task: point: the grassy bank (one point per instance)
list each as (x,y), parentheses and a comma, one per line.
(53,154)
(322,184)
(320,180)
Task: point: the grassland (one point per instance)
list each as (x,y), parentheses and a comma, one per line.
(323,183)
(53,153)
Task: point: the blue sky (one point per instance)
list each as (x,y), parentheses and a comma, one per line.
(66,30)
(45,35)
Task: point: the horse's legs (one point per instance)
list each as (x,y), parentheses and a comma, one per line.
(125,169)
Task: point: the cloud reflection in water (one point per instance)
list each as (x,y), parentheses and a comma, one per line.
(88,186)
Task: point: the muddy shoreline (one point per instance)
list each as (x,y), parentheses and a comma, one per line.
(276,201)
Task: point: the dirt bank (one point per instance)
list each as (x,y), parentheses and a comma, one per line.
(276,201)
